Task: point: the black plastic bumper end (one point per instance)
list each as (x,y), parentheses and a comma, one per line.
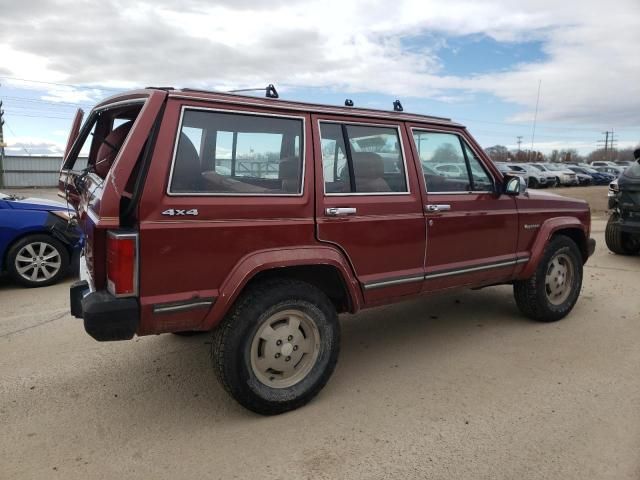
(591,246)
(106,318)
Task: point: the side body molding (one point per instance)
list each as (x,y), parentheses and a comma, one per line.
(264,260)
(547,229)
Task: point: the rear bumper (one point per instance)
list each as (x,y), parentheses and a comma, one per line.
(106,318)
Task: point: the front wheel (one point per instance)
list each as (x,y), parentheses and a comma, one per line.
(553,289)
(277,347)
(621,243)
(37,261)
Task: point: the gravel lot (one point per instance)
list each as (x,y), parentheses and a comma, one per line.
(458,386)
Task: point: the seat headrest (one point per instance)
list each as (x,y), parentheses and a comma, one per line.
(110,147)
(289,173)
(187,174)
(368,165)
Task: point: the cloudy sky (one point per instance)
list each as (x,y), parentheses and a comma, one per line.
(479,63)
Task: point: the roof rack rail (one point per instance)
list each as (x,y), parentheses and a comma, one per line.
(159,88)
(269,91)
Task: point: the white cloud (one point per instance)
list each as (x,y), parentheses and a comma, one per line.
(590,75)
(33,146)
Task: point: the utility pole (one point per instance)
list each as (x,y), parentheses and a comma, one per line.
(519,137)
(608,143)
(2,145)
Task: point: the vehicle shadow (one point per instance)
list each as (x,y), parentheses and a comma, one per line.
(168,379)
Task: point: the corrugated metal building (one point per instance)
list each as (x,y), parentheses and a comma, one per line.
(33,171)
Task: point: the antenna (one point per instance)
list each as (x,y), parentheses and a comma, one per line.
(535,117)
(397,106)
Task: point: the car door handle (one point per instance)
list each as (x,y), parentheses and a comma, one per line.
(340,211)
(437,208)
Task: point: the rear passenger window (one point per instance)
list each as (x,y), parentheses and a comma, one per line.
(362,159)
(230,153)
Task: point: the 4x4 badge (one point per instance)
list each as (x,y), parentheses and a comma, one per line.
(172,212)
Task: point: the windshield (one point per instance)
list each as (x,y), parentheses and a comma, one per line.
(539,167)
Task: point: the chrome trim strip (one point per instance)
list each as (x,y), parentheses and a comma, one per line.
(84,273)
(173,307)
(393,282)
(393,125)
(417,278)
(303,151)
(130,101)
(478,268)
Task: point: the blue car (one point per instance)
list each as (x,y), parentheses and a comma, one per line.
(38,243)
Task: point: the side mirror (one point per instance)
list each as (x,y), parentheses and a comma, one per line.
(514,185)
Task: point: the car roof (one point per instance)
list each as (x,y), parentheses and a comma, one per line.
(286,105)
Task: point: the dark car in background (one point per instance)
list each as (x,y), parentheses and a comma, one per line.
(597,178)
(38,244)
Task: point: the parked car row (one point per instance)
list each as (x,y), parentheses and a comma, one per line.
(543,175)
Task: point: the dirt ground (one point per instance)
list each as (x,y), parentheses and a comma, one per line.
(459,386)
(595,196)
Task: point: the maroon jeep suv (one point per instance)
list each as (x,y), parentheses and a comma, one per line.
(261,220)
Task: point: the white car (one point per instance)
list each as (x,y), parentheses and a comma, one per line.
(602,163)
(450,170)
(552,178)
(534,177)
(564,176)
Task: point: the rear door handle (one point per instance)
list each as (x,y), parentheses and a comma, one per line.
(437,208)
(340,211)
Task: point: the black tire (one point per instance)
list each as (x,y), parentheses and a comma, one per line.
(531,295)
(533,183)
(620,243)
(233,339)
(54,244)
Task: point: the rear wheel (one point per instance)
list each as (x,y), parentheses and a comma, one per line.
(621,243)
(533,183)
(278,346)
(553,289)
(37,261)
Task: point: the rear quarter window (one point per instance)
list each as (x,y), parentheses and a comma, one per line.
(222,153)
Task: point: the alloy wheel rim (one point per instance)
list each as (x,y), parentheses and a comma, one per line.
(285,348)
(559,279)
(38,262)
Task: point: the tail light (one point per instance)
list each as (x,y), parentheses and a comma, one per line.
(122,263)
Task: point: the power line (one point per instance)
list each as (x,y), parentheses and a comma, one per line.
(85,87)
(14,134)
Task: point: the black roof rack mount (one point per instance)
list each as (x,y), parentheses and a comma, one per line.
(397,106)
